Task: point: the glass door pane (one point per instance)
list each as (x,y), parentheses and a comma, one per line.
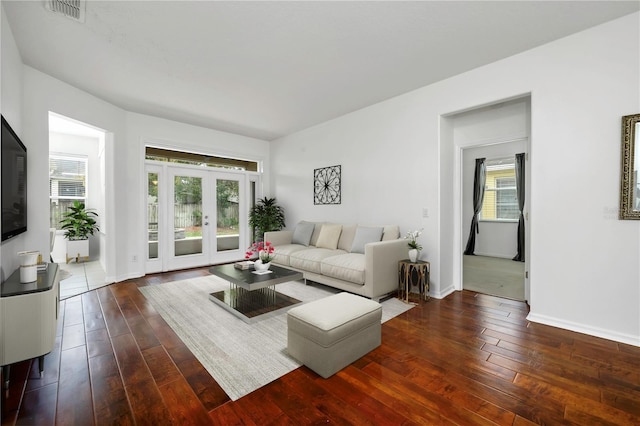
(152,215)
(187,224)
(227,214)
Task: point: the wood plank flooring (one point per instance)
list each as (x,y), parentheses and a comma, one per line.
(467,359)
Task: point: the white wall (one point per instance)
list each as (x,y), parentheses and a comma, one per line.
(124,224)
(44,94)
(399,157)
(11,108)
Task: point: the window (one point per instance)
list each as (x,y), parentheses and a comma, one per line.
(159,154)
(67,183)
(500,194)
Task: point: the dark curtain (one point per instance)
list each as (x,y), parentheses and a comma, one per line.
(478,196)
(520,189)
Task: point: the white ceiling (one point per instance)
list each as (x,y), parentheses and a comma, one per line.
(267,69)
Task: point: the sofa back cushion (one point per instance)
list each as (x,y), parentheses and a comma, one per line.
(346,237)
(302,234)
(316,233)
(365,235)
(329,236)
(391,232)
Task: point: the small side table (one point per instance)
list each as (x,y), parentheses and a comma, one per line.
(413,274)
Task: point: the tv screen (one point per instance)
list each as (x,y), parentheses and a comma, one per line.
(14,183)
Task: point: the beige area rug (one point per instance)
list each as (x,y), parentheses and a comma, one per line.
(241,357)
(494,276)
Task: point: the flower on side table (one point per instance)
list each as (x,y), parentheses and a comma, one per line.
(263,249)
(412,236)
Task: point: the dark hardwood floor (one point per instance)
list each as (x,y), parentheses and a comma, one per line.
(466,359)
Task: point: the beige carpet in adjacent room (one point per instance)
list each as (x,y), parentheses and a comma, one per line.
(495,276)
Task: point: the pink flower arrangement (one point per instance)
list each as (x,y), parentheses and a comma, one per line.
(264,250)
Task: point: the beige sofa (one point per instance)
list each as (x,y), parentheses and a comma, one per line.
(359,259)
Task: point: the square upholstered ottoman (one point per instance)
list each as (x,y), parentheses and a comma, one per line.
(328,334)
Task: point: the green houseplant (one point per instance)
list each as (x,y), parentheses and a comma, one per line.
(78,223)
(266,216)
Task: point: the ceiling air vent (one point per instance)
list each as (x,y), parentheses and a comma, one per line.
(73,9)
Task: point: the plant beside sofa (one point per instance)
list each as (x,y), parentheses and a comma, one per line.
(266,216)
(78,223)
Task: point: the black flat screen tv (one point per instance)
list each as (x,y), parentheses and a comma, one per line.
(14,183)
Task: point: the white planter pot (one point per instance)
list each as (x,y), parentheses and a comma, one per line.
(261,267)
(77,249)
(413,255)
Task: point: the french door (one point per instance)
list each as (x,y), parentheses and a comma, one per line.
(195,217)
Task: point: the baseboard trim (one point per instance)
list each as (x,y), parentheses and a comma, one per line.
(581,328)
(442,293)
(500,256)
(125,277)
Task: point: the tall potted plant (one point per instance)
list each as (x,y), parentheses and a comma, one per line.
(78,223)
(266,216)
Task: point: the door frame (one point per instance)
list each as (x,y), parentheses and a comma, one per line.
(249,184)
(464,231)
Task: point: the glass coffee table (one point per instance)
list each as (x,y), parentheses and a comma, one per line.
(252,295)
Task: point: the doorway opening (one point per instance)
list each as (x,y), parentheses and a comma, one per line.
(197,208)
(77,163)
(490,198)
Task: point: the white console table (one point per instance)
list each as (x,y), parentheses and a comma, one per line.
(29,318)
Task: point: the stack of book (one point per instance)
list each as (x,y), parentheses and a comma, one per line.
(42,266)
(247,264)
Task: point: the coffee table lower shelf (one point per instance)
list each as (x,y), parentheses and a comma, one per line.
(248,305)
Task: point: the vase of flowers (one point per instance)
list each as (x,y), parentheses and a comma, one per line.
(414,246)
(265,251)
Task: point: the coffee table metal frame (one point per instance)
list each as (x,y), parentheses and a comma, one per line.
(253,296)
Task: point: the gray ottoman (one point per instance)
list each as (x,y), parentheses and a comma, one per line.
(328,334)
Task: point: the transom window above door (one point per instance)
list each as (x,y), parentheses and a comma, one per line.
(161,154)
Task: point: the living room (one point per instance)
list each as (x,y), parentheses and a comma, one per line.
(583,267)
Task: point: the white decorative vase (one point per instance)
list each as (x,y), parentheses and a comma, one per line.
(259,266)
(28,266)
(413,255)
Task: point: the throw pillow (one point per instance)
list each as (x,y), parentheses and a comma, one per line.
(302,233)
(365,235)
(316,233)
(329,236)
(346,237)
(391,232)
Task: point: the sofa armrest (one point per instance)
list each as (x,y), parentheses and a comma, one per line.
(279,238)
(381,266)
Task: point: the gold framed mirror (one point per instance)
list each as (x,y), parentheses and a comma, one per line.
(630,179)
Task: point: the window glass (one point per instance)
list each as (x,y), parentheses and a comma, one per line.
(67,183)
(500,195)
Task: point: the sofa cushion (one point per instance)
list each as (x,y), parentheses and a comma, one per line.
(302,233)
(346,237)
(329,236)
(316,233)
(310,259)
(347,267)
(391,232)
(365,235)
(283,253)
